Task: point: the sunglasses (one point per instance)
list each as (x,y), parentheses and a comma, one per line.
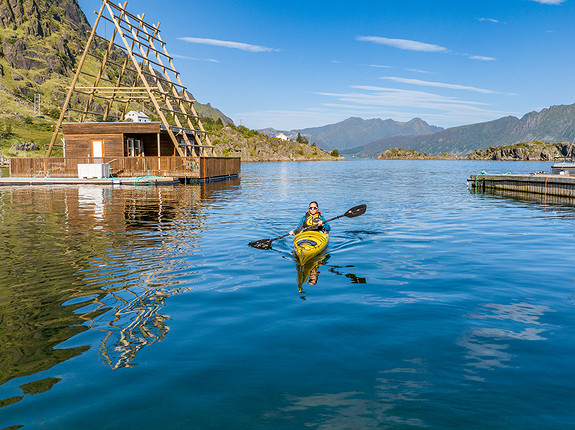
(313,207)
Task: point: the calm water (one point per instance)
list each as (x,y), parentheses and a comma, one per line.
(145,308)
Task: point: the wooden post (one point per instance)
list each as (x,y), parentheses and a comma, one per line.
(69,96)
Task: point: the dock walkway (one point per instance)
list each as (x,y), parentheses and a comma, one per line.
(552,185)
(135,181)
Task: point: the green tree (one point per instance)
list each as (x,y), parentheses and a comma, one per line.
(335,153)
(301,139)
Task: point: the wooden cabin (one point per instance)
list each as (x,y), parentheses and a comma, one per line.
(130,149)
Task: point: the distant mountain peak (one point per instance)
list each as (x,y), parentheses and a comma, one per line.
(355,131)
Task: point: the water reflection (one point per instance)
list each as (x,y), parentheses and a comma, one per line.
(309,272)
(339,270)
(395,390)
(81,258)
(527,197)
(137,322)
(489,347)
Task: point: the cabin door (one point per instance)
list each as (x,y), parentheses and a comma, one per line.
(97,148)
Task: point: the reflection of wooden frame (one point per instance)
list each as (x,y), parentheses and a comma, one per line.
(93,147)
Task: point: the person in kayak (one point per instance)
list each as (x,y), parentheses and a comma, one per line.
(311,218)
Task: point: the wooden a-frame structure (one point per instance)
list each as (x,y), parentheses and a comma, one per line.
(145,72)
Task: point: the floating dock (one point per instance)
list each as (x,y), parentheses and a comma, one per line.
(135,181)
(536,183)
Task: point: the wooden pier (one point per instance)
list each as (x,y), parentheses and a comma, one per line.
(135,181)
(543,184)
(201,168)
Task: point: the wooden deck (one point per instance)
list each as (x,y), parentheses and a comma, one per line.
(136,181)
(547,185)
(204,168)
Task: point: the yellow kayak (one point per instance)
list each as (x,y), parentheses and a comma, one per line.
(309,244)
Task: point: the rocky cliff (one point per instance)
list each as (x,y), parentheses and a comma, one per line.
(530,151)
(39,41)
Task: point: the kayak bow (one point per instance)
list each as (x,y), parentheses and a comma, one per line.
(309,244)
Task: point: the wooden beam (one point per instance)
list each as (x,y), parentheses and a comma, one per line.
(144,81)
(69,96)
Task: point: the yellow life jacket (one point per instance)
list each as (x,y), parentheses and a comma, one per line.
(312,219)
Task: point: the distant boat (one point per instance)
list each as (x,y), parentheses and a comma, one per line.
(563,168)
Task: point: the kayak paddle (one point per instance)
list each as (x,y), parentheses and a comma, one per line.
(351,213)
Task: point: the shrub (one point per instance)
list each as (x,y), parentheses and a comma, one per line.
(54,113)
(301,139)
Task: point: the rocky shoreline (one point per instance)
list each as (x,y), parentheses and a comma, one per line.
(529,151)
(410,154)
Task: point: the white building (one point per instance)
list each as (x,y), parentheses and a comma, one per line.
(137,116)
(282,136)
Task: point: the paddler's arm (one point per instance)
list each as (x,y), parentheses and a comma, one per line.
(299,226)
(323,224)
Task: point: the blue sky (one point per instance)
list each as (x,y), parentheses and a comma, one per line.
(297,64)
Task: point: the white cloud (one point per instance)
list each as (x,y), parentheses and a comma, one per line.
(437,84)
(549,1)
(495,21)
(410,45)
(184,57)
(482,58)
(379,66)
(228,44)
(445,111)
(420,71)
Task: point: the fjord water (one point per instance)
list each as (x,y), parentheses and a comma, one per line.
(145,307)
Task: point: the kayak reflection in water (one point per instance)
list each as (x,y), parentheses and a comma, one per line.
(311,218)
(309,272)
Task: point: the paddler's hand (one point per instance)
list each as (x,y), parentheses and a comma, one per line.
(320,223)
(291,233)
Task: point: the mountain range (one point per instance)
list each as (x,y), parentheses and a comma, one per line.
(554,124)
(354,132)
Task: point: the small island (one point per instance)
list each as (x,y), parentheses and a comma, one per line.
(525,151)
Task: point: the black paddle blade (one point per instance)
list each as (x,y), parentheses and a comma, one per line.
(355,211)
(262,244)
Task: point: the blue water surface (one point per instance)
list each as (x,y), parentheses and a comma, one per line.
(145,307)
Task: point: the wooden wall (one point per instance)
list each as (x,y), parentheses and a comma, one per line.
(79,137)
(80,145)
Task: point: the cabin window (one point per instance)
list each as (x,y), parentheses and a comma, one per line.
(183,146)
(135,147)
